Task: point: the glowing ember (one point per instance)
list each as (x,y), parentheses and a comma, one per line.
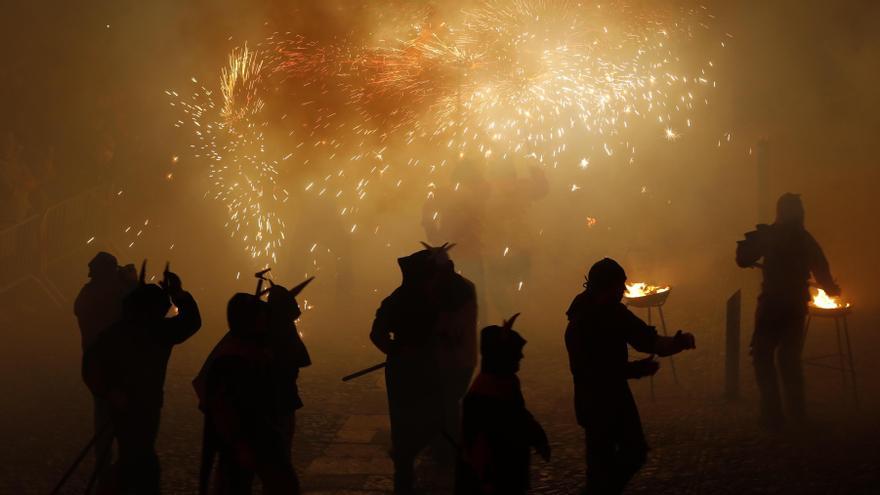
(824,301)
(641,289)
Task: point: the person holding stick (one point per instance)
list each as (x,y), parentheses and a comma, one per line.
(427,330)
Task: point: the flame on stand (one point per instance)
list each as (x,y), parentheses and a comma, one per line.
(824,301)
(641,289)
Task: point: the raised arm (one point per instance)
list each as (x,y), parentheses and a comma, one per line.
(188,320)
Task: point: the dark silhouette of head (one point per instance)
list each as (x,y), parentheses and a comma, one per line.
(425,266)
(245,314)
(146,303)
(501,348)
(128,274)
(606,281)
(282,305)
(103,266)
(790,210)
(415,268)
(438,257)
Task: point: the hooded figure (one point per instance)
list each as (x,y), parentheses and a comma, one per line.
(498,432)
(244,421)
(790,254)
(127,366)
(289,350)
(600,328)
(98,306)
(99,303)
(427,329)
(289,354)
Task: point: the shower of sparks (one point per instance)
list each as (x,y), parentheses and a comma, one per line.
(555,82)
(230,137)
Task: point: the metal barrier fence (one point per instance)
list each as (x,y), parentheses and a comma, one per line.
(20,252)
(69,224)
(28,249)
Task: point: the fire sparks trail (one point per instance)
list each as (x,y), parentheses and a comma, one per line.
(554,82)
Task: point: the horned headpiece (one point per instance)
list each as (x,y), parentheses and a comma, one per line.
(439,255)
(499,341)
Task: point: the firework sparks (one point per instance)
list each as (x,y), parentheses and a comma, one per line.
(551,81)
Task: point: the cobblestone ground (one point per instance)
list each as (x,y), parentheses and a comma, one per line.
(701,444)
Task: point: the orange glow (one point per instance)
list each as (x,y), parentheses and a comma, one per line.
(642,289)
(824,301)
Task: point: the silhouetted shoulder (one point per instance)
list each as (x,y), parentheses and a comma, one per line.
(578,306)
(391,302)
(464,284)
(810,240)
(461,291)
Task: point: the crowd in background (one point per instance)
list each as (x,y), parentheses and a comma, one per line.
(32,179)
(28,180)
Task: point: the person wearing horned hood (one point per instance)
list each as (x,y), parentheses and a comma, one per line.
(600,327)
(427,329)
(498,432)
(289,354)
(790,254)
(126,366)
(248,392)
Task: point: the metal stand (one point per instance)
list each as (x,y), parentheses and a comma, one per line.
(651,302)
(844,355)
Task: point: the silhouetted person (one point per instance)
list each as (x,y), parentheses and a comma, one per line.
(289,354)
(427,329)
(248,415)
(456,348)
(790,255)
(98,306)
(99,303)
(127,366)
(129,276)
(599,329)
(498,432)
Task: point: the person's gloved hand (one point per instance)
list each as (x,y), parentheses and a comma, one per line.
(643,367)
(685,340)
